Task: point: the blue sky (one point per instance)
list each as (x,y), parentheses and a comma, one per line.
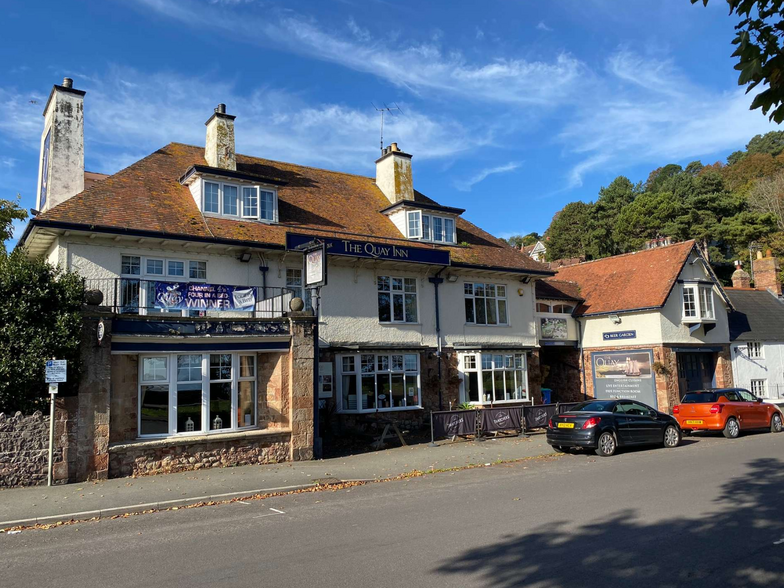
(511,109)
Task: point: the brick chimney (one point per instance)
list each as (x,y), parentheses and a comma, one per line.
(61,165)
(740,278)
(393,174)
(219,148)
(766,273)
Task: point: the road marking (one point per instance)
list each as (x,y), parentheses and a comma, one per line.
(779,542)
(242,503)
(275,512)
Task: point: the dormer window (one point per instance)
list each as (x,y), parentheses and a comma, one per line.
(430,227)
(698,303)
(239,201)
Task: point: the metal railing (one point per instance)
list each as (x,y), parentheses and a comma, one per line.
(135,296)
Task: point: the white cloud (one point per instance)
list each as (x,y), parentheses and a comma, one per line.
(360,33)
(543,27)
(466,185)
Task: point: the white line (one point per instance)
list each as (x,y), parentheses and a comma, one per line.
(242,503)
(277,511)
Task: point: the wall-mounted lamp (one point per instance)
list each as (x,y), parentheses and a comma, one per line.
(245,257)
(525,279)
(520,291)
(616,320)
(451,278)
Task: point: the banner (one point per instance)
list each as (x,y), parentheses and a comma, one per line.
(456,422)
(624,374)
(501,419)
(537,417)
(195,296)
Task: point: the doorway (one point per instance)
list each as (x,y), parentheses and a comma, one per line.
(695,372)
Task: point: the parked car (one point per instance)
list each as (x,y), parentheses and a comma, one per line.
(730,410)
(606,425)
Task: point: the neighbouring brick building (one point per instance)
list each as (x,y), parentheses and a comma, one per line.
(649,325)
(197,253)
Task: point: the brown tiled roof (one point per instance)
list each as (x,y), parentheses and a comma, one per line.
(147,196)
(91,178)
(555,289)
(628,282)
(527,248)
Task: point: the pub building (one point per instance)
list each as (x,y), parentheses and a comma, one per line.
(649,326)
(193,258)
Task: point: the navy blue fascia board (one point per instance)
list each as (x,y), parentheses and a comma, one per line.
(511,270)
(153,346)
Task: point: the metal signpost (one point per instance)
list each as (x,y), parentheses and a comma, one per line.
(56,372)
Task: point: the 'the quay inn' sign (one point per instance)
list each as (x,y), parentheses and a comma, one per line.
(371,250)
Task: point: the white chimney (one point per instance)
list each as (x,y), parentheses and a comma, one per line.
(393,174)
(219,150)
(61,166)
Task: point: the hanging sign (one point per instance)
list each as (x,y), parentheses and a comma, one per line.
(56,370)
(196,296)
(315,266)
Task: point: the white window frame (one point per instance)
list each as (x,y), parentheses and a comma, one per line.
(473,297)
(241,214)
(237,203)
(426,222)
(414,232)
(479,365)
(143,276)
(357,374)
(755,350)
(398,293)
(759,387)
(702,299)
(171,382)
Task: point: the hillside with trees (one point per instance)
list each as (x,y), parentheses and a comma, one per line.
(724,207)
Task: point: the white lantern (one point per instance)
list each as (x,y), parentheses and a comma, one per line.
(189,425)
(217,423)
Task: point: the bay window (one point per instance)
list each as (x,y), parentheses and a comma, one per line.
(698,303)
(490,378)
(485,304)
(372,381)
(397,299)
(187,393)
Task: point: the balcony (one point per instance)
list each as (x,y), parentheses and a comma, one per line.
(131,296)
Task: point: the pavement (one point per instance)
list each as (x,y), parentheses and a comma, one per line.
(27,506)
(705,514)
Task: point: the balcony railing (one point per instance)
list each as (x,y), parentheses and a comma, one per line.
(191,299)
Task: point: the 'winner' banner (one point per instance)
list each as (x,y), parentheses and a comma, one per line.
(193,296)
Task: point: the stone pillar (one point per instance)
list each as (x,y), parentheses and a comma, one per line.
(92,437)
(724,369)
(302,364)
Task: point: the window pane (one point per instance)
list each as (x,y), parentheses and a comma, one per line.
(398,390)
(198,270)
(468,289)
(509,361)
(348,363)
(492,319)
(500,291)
(176,268)
(411,308)
(189,407)
(487,385)
(469,362)
(155,267)
(250,201)
(510,385)
(384,309)
(210,197)
(397,307)
(247,366)
(502,312)
(412,390)
(246,404)
(368,364)
(413,225)
(220,366)
(481,318)
(154,369)
(449,230)
(689,307)
(267,205)
(411,363)
(490,290)
(220,406)
(487,361)
(382,363)
(383,390)
(131,265)
(438,230)
(410,285)
(368,392)
(520,382)
(472,386)
(230,200)
(154,410)
(383,283)
(425,227)
(498,380)
(189,368)
(397,284)
(349,391)
(397,363)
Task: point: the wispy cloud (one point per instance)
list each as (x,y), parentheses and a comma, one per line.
(543,27)
(466,185)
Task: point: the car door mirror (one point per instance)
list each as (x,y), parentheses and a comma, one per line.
(758,400)
(653,413)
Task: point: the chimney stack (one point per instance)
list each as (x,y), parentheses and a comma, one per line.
(740,278)
(61,165)
(219,148)
(393,174)
(766,273)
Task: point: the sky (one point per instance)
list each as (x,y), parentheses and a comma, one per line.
(510,108)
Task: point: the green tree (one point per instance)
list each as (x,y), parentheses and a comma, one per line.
(604,214)
(40,318)
(758,49)
(9,212)
(644,219)
(771,143)
(519,241)
(567,234)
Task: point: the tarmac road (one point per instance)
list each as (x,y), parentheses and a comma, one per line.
(708,513)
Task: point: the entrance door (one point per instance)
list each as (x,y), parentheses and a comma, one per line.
(695,370)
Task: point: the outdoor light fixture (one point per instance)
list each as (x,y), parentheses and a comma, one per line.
(525,279)
(245,257)
(451,278)
(616,320)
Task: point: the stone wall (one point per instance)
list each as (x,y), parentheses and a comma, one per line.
(166,455)
(24,445)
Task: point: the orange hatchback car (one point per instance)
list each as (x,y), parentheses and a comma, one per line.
(730,410)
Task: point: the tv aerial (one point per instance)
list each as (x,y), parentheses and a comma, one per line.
(389,110)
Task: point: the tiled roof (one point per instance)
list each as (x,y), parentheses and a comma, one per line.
(555,289)
(758,316)
(147,196)
(631,281)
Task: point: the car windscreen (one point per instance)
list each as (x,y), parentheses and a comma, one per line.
(593,406)
(696,397)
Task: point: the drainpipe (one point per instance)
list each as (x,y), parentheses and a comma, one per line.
(582,356)
(436,280)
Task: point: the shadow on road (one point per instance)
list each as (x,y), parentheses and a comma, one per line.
(733,546)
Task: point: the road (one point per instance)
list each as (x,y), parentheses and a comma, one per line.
(705,514)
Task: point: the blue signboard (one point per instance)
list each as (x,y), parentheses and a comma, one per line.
(619,335)
(45,171)
(195,296)
(369,249)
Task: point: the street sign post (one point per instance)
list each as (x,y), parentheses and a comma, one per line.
(56,371)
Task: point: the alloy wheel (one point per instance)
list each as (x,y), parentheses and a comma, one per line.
(732,428)
(671,437)
(776,425)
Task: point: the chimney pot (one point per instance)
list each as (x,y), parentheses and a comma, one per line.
(393,147)
(67,83)
(221,109)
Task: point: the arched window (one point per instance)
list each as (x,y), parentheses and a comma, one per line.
(542,307)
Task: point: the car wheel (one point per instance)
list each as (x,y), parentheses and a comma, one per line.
(606,445)
(672,437)
(731,428)
(775,423)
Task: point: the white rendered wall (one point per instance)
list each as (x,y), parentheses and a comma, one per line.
(769,367)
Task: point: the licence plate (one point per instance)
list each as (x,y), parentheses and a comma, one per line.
(566,425)
(694,422)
